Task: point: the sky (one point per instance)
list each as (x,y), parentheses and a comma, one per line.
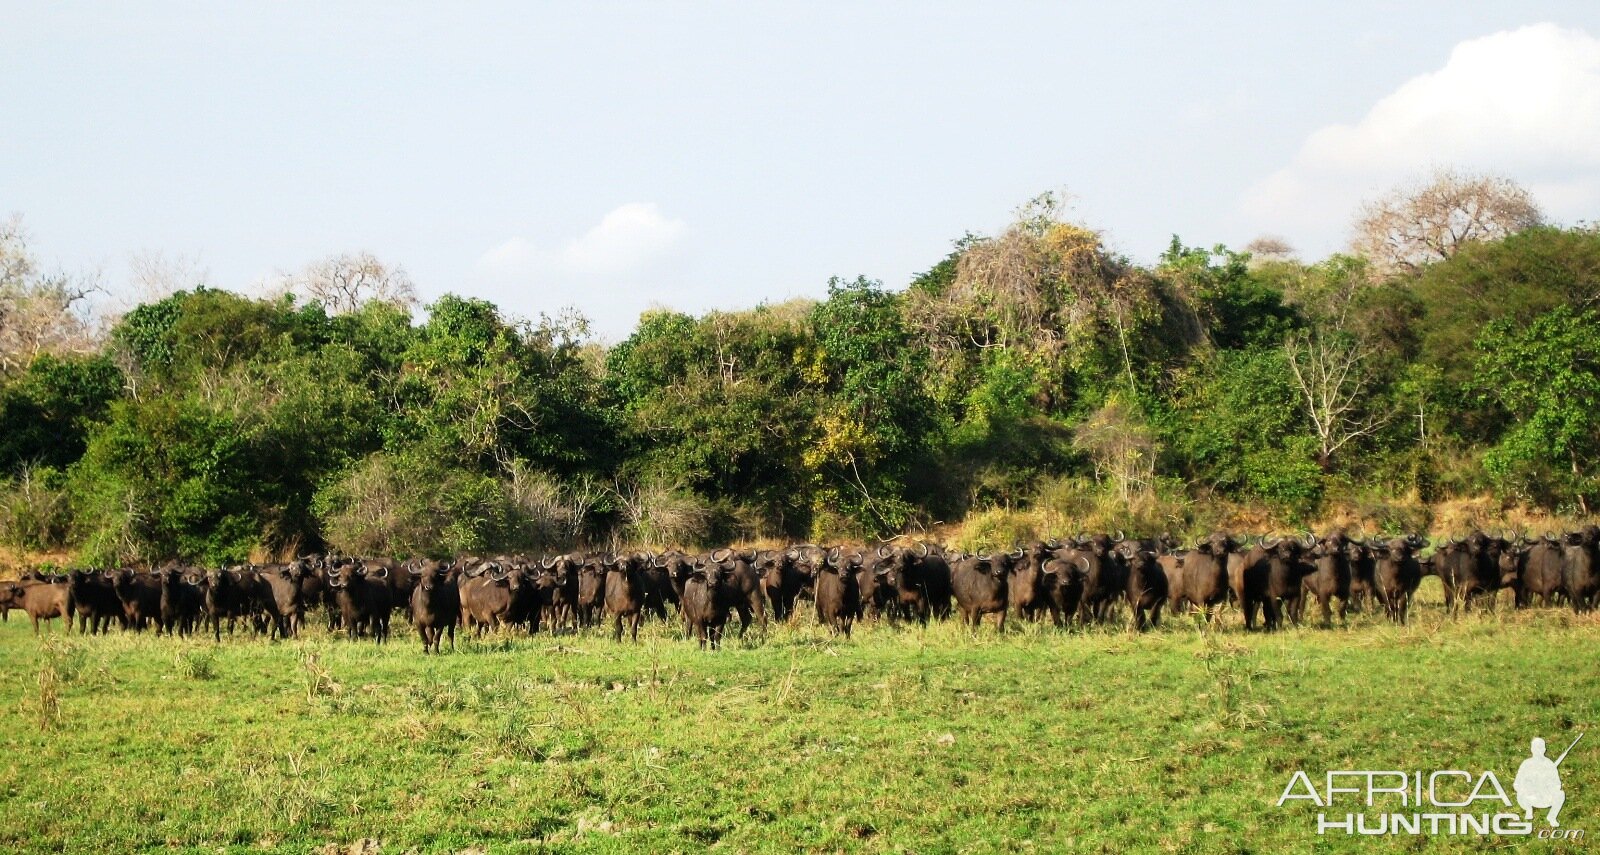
(613,157)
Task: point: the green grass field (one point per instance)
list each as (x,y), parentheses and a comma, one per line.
(898,740)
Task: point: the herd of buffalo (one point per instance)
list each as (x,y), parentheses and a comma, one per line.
(1079,580)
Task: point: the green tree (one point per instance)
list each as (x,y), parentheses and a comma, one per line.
(1237,307)
(1514,280)
(47,412)
(483,392)
(1546,375)
(876,423)
(720,404)
(1238,427)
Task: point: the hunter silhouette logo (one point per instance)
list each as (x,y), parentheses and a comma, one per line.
(1446,802)
(1538,782)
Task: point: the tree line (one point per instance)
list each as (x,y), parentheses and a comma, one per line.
(1030,379)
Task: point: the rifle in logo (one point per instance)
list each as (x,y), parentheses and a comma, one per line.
(1538,782)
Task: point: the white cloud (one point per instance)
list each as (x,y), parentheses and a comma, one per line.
(627,242)
(1523,103)
(606,272)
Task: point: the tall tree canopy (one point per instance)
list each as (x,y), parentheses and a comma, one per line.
(1032,370)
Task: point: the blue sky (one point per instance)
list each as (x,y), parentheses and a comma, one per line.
(611,156)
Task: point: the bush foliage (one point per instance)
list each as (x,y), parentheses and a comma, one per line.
(1032,382)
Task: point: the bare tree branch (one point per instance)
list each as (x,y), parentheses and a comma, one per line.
(1414,226)
(1333,378)
(39,314)
(343,283)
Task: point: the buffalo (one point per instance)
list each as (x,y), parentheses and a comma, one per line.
(94,601)
(1397,574)
(1329,578)
(660,588)
(742,589)
(916,582)
(981,585)
(1540,569)
(230,594)
(784,574)
(590,602)
(181,600)
(1147,588)
(1027,592)
(625,591)
(1105,578)
(838,590)
(362,596)
(1581,572)
(1468,569)
(1203,578)
(140,595)
(493,594)
(41,600)
(435,602)
(705,604)
(556,590)
(285,597)
(1363,573)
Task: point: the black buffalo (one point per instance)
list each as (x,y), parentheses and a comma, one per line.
(1202,577)
(982,586)
(363,598)
(915,582)
(435,602)
(1581,568)
(705,604)
(838,590)
(1397,573)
